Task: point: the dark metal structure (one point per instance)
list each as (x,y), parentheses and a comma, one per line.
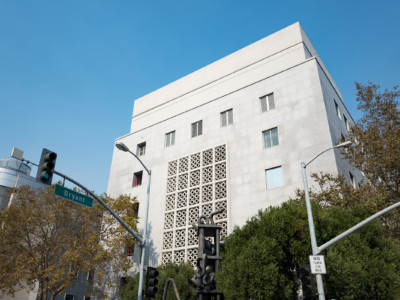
(208,257)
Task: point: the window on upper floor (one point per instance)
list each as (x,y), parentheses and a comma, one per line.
(346,123)
(352,180)
(141,149)
(226,118)
(69,297)
(267,102)
(270,137)
(137,179)
(90,275)
(197,128)
(169,139)
(274,177)
(337,109)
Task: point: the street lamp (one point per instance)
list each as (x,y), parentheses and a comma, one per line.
(320,285)
(123,147)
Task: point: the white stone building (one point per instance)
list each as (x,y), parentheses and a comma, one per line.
(232,135)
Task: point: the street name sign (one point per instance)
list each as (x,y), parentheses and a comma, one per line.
(73,196)
(317,264)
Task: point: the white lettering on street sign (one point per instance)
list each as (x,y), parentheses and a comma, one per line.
(73,196)
(317,264)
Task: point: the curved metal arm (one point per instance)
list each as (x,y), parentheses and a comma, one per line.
(169,280)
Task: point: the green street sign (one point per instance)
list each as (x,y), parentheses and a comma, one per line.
(73,196)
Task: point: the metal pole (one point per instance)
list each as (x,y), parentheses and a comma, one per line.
(357,226)
(135,235)
(320,284)
(141,271)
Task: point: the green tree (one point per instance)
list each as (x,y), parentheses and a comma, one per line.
(47,239)
(376,152)
(181,273)
(261,258)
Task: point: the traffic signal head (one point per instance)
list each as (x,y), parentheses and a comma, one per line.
(46,166)
(307,281)
(151,282)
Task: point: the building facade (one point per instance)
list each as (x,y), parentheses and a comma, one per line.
(231,135)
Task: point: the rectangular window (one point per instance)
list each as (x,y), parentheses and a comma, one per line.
(352,181)
(86,298)
(226,118)
(123,281)
(197,128)
(337,109)
(274,177)
(346,123)
(270,137)
(267,102)
(169,139)
(129,250)
(69,297)
(90,275)
(141,149)
(137,179)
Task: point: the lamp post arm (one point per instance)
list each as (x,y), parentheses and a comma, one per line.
(305,165)
(356,227)
(147,170)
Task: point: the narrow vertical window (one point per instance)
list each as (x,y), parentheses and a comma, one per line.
(141,149)
(169,139)
(137,179)
(197,128)
(270,137)
(274,177)
(352,181)
(226,118)
(346,123)
(337,109)
(267,102)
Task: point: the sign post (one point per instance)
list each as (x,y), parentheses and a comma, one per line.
(317,264)
(73,196)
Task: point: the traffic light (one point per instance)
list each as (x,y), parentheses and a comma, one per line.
(46,166)
(151,282)
(307,282)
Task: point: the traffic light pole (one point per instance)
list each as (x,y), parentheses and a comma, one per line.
(130,230)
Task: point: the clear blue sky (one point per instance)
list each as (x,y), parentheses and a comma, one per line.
(70,70)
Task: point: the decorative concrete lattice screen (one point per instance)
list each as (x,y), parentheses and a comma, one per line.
(196,185)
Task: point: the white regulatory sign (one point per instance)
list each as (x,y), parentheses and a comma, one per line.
(317,264)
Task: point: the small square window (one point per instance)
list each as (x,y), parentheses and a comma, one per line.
(141,149)
(274,177)
(270,137)
(267,102)
(197,128)
(137,179)
(69,297)
(123,281)
(226,118)
(169,139)
(130,250)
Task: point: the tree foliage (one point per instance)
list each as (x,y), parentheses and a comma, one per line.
(47,239)
(376,152)
(181,273)
(261,258)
